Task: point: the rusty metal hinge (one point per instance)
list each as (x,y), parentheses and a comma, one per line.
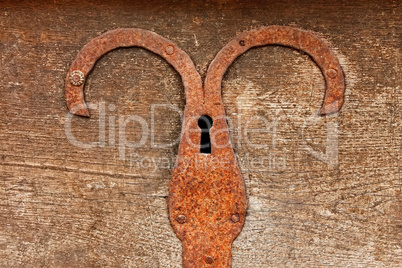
(207,195)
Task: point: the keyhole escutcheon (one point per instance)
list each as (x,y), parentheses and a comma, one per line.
(205,123)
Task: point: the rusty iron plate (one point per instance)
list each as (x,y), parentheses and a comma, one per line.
(207,196)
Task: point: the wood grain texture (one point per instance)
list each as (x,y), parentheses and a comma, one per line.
(64,206)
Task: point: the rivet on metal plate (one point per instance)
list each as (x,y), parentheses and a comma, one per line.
(77,78)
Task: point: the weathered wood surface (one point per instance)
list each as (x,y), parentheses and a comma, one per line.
(64,206)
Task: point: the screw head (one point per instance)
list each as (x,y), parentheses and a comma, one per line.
(77,78)
(169,49)
(235,218)
(181,219)
(209,260)
(332,73)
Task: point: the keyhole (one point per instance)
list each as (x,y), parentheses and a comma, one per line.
(205,123)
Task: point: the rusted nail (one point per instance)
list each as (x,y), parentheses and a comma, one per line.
(77,78)
(332,73)
(235,218)
(242,43)
(169,49)
(181,219)
(209,260)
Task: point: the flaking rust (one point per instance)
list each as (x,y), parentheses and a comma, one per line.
(207,196)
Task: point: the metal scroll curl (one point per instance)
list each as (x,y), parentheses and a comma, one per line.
(127,37)
(285,36)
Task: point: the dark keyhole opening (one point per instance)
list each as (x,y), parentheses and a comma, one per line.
(205,123)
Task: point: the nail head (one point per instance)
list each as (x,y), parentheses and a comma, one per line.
(77,78)
(332,73)
(235,218)
(209,260)
(169,49)
(181,219)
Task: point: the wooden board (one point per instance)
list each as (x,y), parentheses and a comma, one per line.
(65,206)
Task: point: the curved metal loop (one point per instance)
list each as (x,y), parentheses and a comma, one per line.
(285,36)
(97,47)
